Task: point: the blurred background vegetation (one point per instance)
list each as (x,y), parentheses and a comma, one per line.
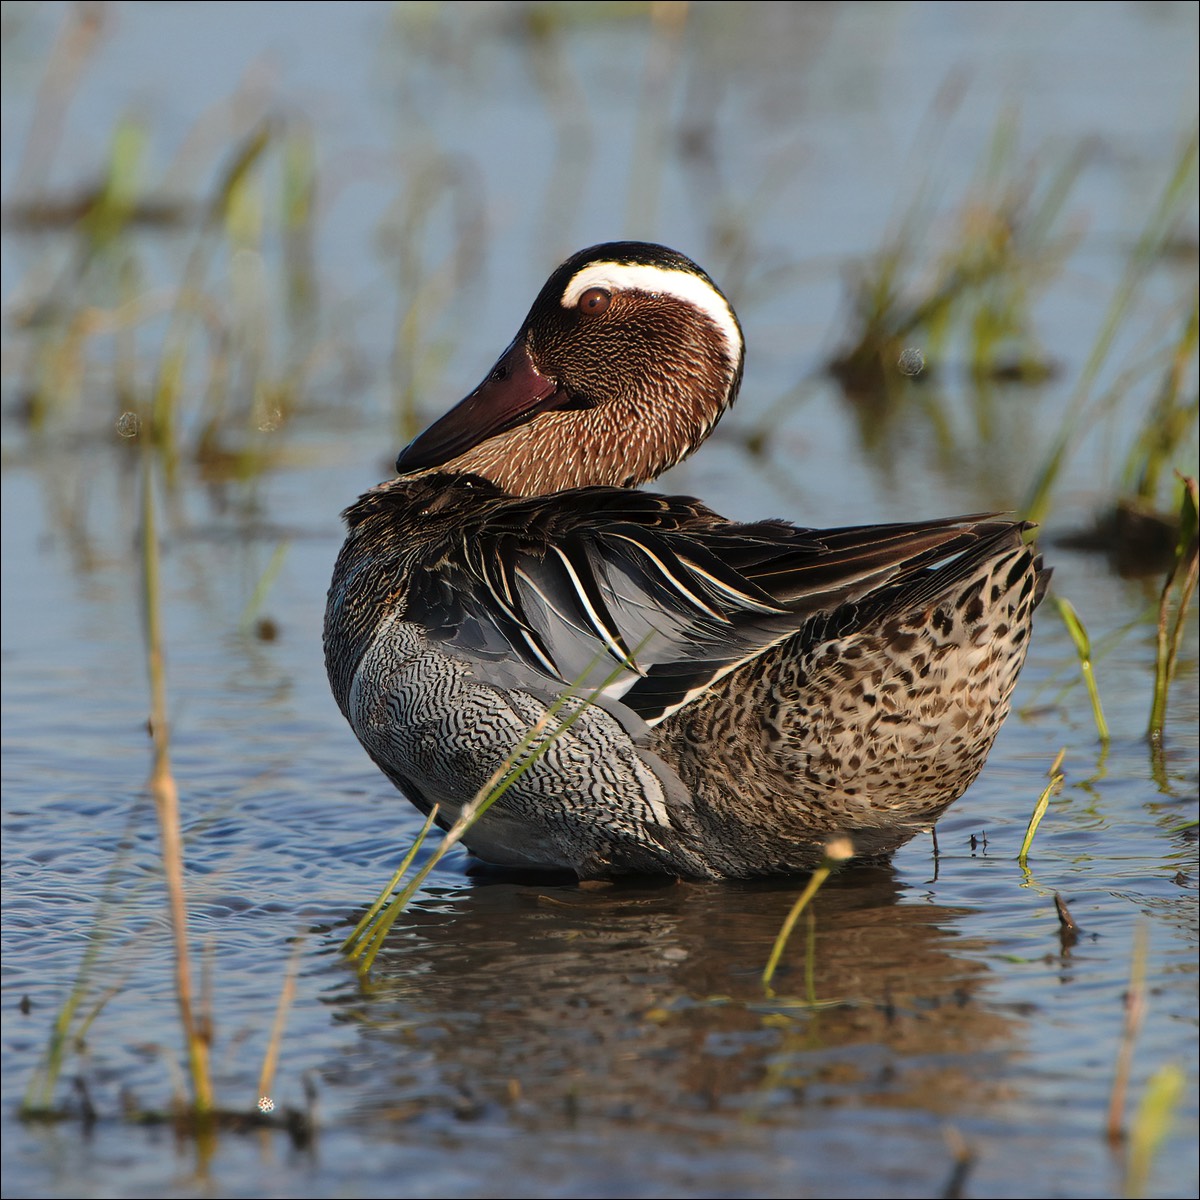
(248,250)
(208,268)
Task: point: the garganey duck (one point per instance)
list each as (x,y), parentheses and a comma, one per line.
(740,693)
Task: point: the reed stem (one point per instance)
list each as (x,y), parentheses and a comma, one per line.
(1135,1010)
(165,794)
(1039,809)
(1083,647)
(1184,571)
(836,852)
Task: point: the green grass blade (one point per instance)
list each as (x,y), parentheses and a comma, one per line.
(1151,1125)
(1083,647)
(1039,810)
(836,852)
(263,586)
(1184,571)
(351,945)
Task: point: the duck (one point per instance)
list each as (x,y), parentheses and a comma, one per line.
(639,685)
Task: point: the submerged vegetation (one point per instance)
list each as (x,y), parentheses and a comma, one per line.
(186,314)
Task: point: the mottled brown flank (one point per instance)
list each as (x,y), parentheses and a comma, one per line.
(794,749)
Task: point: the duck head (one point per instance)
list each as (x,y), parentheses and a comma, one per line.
(627,359)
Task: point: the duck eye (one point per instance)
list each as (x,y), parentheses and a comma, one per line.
(594,301)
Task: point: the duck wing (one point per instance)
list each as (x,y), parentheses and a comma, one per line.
(649,600)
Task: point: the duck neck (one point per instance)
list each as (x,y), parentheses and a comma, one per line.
(622,442)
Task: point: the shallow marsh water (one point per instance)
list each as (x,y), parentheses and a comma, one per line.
(522,1038)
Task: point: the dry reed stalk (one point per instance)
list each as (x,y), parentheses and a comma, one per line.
(165,794)
(287,993)
(1135,1010)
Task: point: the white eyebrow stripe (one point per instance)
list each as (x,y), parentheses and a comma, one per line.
(683,285)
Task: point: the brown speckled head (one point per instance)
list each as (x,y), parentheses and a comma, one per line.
(627,359)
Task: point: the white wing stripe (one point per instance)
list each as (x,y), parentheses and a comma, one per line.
(611,639)
(673,579)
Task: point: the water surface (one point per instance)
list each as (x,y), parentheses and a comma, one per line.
(541,1039)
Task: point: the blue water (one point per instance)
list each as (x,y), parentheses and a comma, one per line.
(549,1040)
